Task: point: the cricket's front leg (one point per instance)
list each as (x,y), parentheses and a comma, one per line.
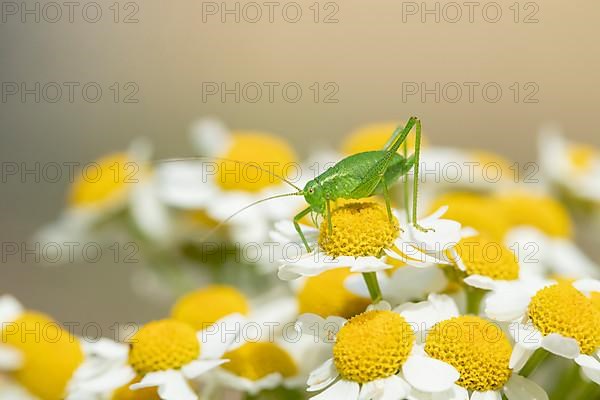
(388,201)
(297,218)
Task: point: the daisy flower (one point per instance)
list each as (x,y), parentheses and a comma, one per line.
(571,166)
(477,348)
(362,235)
(561,318)
(50,363)
(235,178)
(99,192)
(167,354)
(541,232)
(368,352)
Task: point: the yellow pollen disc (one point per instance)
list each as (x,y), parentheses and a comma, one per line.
(477,348)
(163,345)
(255,360)
(51,354)
(563,309)
(104,182)
(485,256)
(596,299)
(542,212)
(252,149)
(204,307)
(582,157)
(374,137)
(372,345)
(359,229)
(325,295)
(475,211)
(124,393)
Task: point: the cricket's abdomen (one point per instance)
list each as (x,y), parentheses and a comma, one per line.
(341,180)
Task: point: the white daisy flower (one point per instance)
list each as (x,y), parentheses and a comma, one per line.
(561,318)
(361,233)
(168,353)
(572,166)
(239,169)
(477,348)
(51,362)
(368,351)
(100,190)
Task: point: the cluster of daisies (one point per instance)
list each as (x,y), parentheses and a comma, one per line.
(484,296)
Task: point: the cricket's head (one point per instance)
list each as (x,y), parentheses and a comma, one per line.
(314,196)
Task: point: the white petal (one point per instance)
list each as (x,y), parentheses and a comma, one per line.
(520,388)
(519,357)
(342,390)
(527,335)
(481,282)
(409,283)
(10,358)
(424,315)
(506,305)
(560,345)
(587,286)
(365,264)
(196,368)
(381,306)
(322,377)
(355,284)
(171,385)
(324,328)
(590,367)
(395,388)
(216,339)
(10,309)
(489,395)
(428,374)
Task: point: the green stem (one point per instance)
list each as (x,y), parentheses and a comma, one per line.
(474,297)
(534,361)
(567,382)
(373,286)
(591,390)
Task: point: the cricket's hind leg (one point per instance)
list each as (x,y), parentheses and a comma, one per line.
(416,178)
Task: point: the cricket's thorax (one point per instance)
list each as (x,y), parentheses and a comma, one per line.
(341,180)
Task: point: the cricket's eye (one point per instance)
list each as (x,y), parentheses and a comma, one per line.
(311,190)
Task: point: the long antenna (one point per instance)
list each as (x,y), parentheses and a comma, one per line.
(213,230)
(252,164)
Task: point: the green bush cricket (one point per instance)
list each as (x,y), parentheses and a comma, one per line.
(363,175)
(357,176)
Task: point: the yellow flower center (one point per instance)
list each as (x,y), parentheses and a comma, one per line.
(595,297)
(163,345)
(253,151)
(204,307)
(255,360)
(542,212)
(359,229)
(103,182)
(562,309)
(51,354)
(325,295)
(484,256)
(372,345)
(124,393)
(477,348)
(475,211)
(374,137)
(582,156)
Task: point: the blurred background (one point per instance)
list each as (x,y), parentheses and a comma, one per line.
(487,77)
